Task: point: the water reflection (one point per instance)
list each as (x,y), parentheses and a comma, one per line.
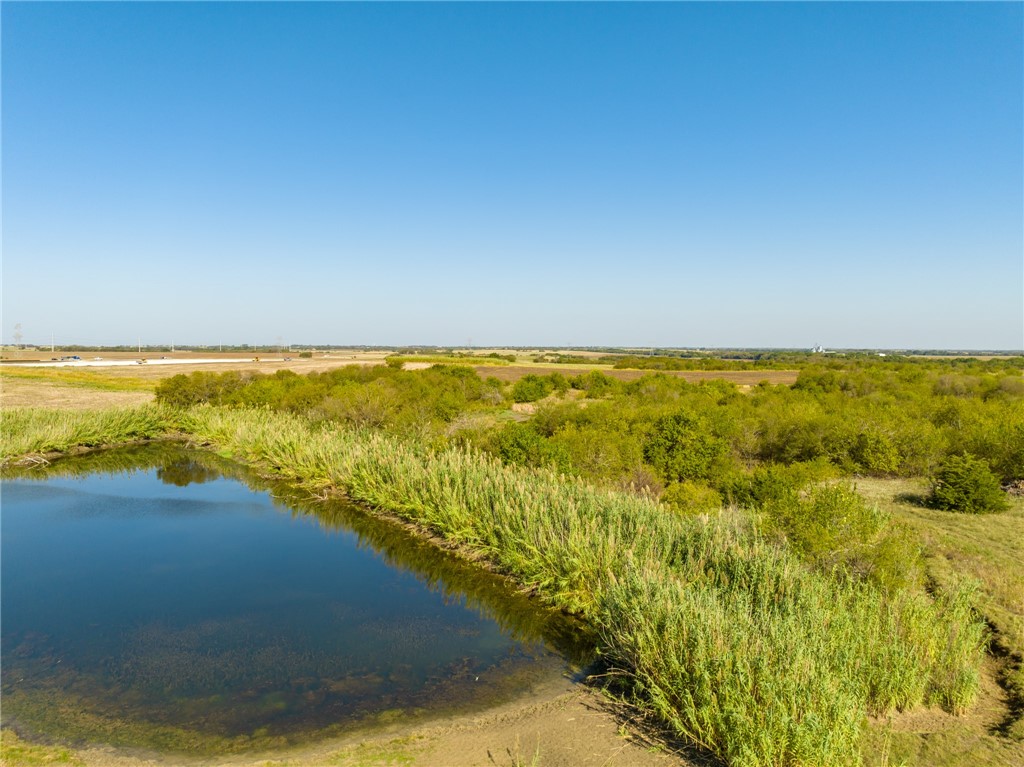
(187,471)
(227,629)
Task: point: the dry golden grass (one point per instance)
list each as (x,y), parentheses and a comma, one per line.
(55,396)
(89,378)
(71,388)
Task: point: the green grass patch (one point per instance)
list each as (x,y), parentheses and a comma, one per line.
(15,752)
(955,745)
(986,548)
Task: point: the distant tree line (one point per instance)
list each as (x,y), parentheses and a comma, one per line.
(692,445)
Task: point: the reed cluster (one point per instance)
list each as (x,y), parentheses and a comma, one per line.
(27,432)
(730,638)
(725,634)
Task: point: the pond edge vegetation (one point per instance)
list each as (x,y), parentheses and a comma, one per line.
(729,638)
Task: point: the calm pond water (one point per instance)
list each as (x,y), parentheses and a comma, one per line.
(160,597)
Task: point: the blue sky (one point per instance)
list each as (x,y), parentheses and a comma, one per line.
(770,175)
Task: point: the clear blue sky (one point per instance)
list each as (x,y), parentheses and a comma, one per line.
(588,174)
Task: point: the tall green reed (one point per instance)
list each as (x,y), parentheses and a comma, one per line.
(28,431)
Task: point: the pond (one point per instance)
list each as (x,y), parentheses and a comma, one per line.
(162,597)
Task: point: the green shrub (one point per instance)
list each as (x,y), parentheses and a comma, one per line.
(305,355)
(681,447)
(826,525)
(531,388)
(691,497)
(875,453)
(595,383)
(406,402)
(770,483)
(830,525)
(519,444)
(559,382)
(598,451)
(966,484)
(199,388)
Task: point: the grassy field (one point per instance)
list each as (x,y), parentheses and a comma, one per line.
(983,547)
(71,388)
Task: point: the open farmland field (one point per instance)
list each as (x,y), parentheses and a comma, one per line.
(125,382)
(161,364)
(118,384)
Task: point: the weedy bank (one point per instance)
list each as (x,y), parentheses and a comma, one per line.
(733,638)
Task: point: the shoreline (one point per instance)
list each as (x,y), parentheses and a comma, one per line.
(557,717)
(561,722)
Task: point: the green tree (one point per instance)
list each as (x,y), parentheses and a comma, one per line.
(691,497)
(595,383)
(519,444)
(531,388)
(682,447)
(875,453)
(966,484)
